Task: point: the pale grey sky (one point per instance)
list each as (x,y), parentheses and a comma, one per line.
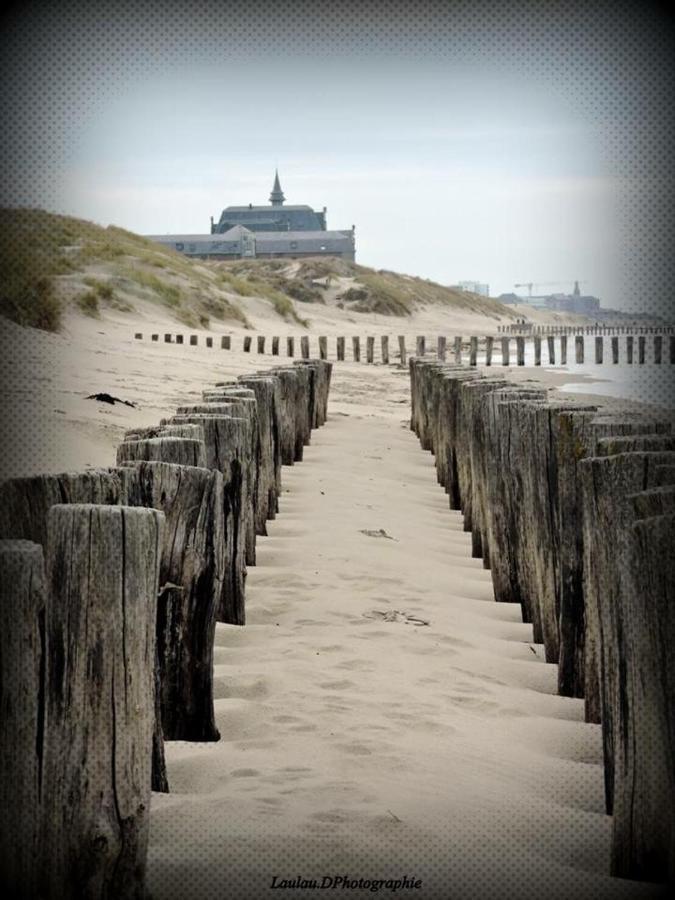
(500,149)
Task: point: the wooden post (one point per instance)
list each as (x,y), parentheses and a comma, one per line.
(225,342)
(420,346)
(370,349)
(671,352)
(615,350)
(192,574)
(401,348)
(290,346)
(537,350)
(599,349)
(167,338)
(304,346)
(579,349)
(193,340)
(154,337)
(356,349)
(247,343)
(658,348)
(179,338)
(384,343)
(642,341)
(458,350)
(209,341)
(441,347)
(473,351)
(629,349)
(99,699)
(489,346)
(563,350)
(275,345)
(323,347)
(340,349)
(520,351)
(183,451)
(23,657)
(261,343)
(138,336)
(506,349)
(550,341)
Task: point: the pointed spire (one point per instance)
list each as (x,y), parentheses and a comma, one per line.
(277,196)
(577,292)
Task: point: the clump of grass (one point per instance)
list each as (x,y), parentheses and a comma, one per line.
(170,294)
(32,303)
(88,303)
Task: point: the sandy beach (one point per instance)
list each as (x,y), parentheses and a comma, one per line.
(381,716)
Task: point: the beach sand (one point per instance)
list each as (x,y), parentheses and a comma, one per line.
(380,715)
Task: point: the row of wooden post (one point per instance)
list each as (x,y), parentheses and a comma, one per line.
(531,328)
(474,344)
(582,539)
(111,584)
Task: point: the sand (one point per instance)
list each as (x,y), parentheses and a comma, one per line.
(381,716)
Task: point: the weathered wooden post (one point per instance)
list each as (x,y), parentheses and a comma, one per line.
(629,349)
(304,346)
(401,348)
(167,338)
(473,350)
(642,342)
(138,336)
(520,350)
(154,337)
(615,350)
(506,350)
(340,349)
(599,349)
(550,340)
(370,349)
(261,343)
(193,340)
(99,699)
(671,353)
(537,350)
(489,346)
(179,338)
(290,346)
(275,345)
(209,341)
(323,347)
(458,350)
(658,348)
(420,347)
(182,451)
(225,342)
(563,350)
(579,349)
(356,349)
(441,347)
(247,343)
(23,657)
(384,345)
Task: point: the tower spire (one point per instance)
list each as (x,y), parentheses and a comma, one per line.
(277,196)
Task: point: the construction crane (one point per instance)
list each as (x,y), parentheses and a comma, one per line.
(532,284)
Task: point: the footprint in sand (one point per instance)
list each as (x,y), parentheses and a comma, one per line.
(244,773)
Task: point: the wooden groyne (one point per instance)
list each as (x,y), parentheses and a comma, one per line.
(531,346)
(111,584)
(572,508)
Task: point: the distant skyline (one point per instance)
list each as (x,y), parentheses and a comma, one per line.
(508,148)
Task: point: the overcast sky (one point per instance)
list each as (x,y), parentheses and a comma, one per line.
(497,146)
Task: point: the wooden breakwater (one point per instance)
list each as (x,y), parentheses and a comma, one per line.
(572,508)
(111,584)
(519,345)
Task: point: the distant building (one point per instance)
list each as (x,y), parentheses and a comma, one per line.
(576,302)
(265,232)
(475,287)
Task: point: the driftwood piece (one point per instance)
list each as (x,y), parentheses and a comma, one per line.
(100,628)
(191,585)
(23,656)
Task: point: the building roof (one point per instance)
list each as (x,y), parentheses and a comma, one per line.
(267,209)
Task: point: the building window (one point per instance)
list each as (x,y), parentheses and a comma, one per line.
(179,246)
(294,245)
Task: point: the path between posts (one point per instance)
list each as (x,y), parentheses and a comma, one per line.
(381,716)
